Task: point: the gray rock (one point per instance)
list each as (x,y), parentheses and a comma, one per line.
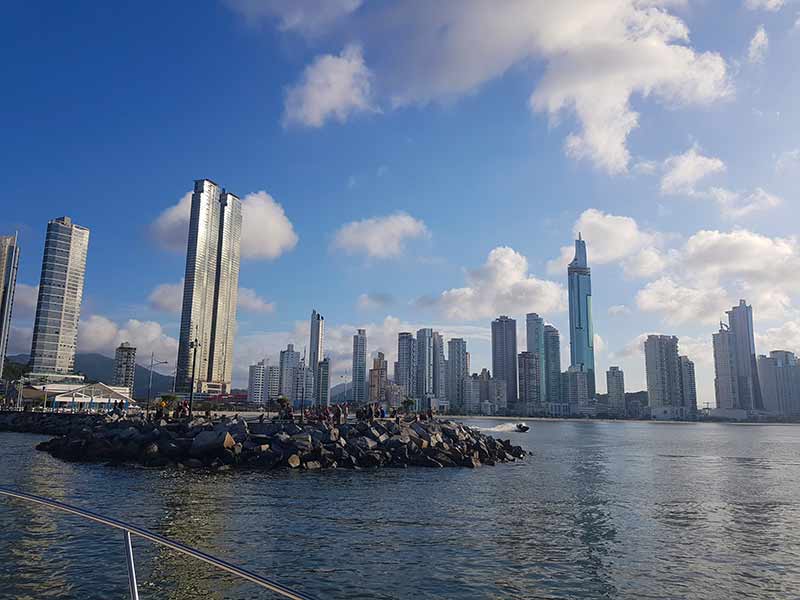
(207,443)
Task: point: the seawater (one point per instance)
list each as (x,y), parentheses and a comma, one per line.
(601,510)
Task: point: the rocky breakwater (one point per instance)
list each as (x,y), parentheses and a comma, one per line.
(234,443)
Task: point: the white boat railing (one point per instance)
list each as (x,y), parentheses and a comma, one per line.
(129,530)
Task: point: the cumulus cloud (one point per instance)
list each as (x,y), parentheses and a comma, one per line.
(770,5)
(613,238)
(597,56)
(784,337)
(788,161)
(266,230)
(379,237)
(618,310)
(682,172)
(681,303)
(250,301)
(758,47)
(332,87)
(102,335)
(375,300)
(735,205)
(167,297)
(501,286)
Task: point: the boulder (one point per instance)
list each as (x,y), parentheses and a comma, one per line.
(208,443)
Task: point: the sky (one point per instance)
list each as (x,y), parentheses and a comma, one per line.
(414,164)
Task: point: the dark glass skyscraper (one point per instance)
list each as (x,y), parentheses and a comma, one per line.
(504,355)
(581,328)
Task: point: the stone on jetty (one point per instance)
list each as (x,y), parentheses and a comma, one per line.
(229,443)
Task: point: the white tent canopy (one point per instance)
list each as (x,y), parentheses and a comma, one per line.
(96,395)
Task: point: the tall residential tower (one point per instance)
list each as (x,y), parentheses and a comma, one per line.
(581,329)
(9,262)
(210,290)
(504,355)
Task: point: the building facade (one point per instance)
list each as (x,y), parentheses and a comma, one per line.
(529,384)
(9,264)
(581,326)
(534,334)
(424,364)
(288,364)
(257,391)
(457,370)
(504,354)
(736,380)
(360,390)
(552,358)
(125,367)
(779,376)
(315,348)
(210,289)
(688,386)
(439,368)
(322,382)
(615,384)
(663,373)
(55,329)
(378,379)
(574,391)
(405,370)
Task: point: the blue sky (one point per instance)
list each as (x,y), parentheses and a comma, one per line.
(422,163)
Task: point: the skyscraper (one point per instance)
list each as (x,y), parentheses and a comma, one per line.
(273,383)
(688,386)
(457,370)
(581,329)
(210,290)
(736,383)
(663,372)
(615,384)
(378,378)
(360,367)
(552,359)
(424,364)
(9,263)
(58,308)
(257,391)
(323,385)
(289,362)
(534,337)
(504,355)
(125,366)
(530,396)
(779,375)
(315,349)
(439,368)
(406,367)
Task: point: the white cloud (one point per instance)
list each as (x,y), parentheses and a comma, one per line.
(99,334)
(379,237)
(784,337)
(19,340)
(308,17)
(788,161)
(609,238)
(250,301)
(167,297)
(597,57)
(683,171)
(375,300)
(770,5)
(618,310)
(758,47)
(501,286)
(735,205)
(681,304)
(332,87)
(266,230)
(25,299)
(646,263)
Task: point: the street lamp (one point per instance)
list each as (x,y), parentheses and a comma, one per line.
(150,382)
(193,345)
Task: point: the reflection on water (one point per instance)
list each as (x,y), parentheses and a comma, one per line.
(602,510)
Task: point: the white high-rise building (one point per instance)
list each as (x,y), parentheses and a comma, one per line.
(779,375)
(439,368)
(615,384)
(360,390)
(273,383)
(257,382)
(529,391)
(663,372)
(125,367)
(472,395)
(9,263)
(457,370)
(55,330)
(210,290)
(736,383)
(688,386)
(405,370)
(315,348)
(289,362)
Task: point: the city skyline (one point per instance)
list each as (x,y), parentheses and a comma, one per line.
(677,216)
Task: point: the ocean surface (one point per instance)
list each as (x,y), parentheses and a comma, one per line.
(601,510)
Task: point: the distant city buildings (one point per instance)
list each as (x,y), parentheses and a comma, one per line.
(534,333)
(424,366)
(210,291)
(779,375)
(528,366)
(378,379)
(688,386)
(457,370)
(55,329)
(504,355)
(574,391)
(581,328)
(405,369)
(9,263)
(615,385)
(671,386)
(439,371)
(323,383)
(125,367)
(360,390)
(736,383)
(257,389)
(289,362)
(552,360)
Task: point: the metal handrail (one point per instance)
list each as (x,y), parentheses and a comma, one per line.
(157,539)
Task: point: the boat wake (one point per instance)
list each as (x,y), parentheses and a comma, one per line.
(502,428)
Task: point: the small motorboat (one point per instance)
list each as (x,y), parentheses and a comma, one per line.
(522,428)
